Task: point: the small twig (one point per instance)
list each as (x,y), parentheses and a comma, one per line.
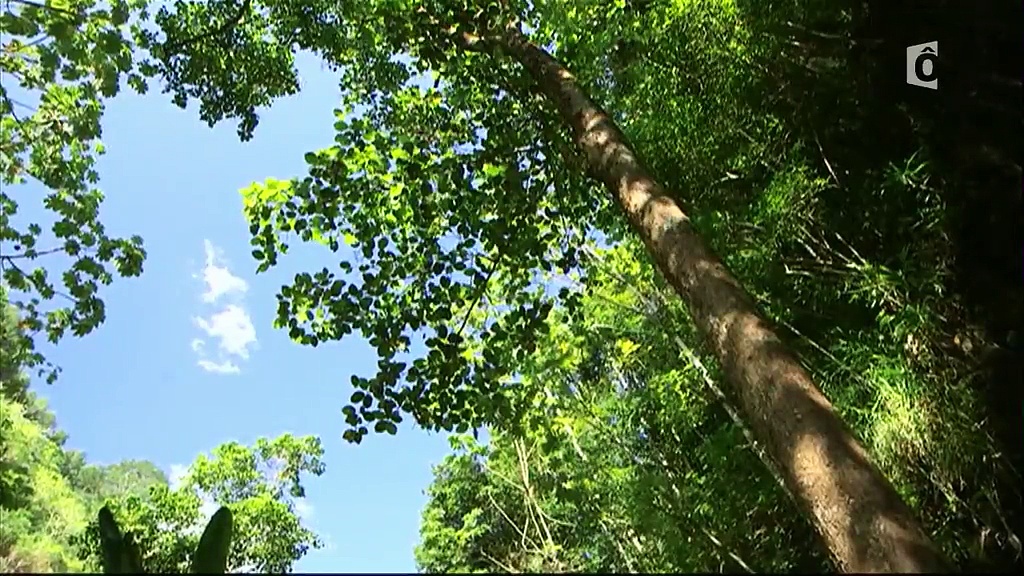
(825,158)
(10,261)
(731,554)
(480,293)
(499,563)
(507,519)
(39,253)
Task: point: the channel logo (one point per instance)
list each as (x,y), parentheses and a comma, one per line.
(921,60)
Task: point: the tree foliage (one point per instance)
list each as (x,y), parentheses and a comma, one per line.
(258,484)
(60,60)
(457,209)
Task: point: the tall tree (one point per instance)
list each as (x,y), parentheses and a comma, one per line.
(259,483)
(474,164)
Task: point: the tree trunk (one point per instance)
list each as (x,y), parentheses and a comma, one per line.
(863,521)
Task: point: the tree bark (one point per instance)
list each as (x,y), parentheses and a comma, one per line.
(864,523)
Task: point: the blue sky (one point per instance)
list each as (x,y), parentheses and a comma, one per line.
(188,358)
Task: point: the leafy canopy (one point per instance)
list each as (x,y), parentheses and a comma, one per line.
(443,178)
(60,60)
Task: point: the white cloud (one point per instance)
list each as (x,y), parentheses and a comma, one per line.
(219,280)
(303,509)
(328,542)
(176,476)
(206,510)
(228,323)
(233,328)
(225,367)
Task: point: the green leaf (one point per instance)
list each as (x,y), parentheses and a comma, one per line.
(120,554)
(110,542)
(215,545)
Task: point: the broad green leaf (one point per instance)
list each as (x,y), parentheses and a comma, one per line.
(215,544)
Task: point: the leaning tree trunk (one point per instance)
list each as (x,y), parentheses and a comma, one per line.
(865,524)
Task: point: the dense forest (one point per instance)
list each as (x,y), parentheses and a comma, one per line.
(725,293)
